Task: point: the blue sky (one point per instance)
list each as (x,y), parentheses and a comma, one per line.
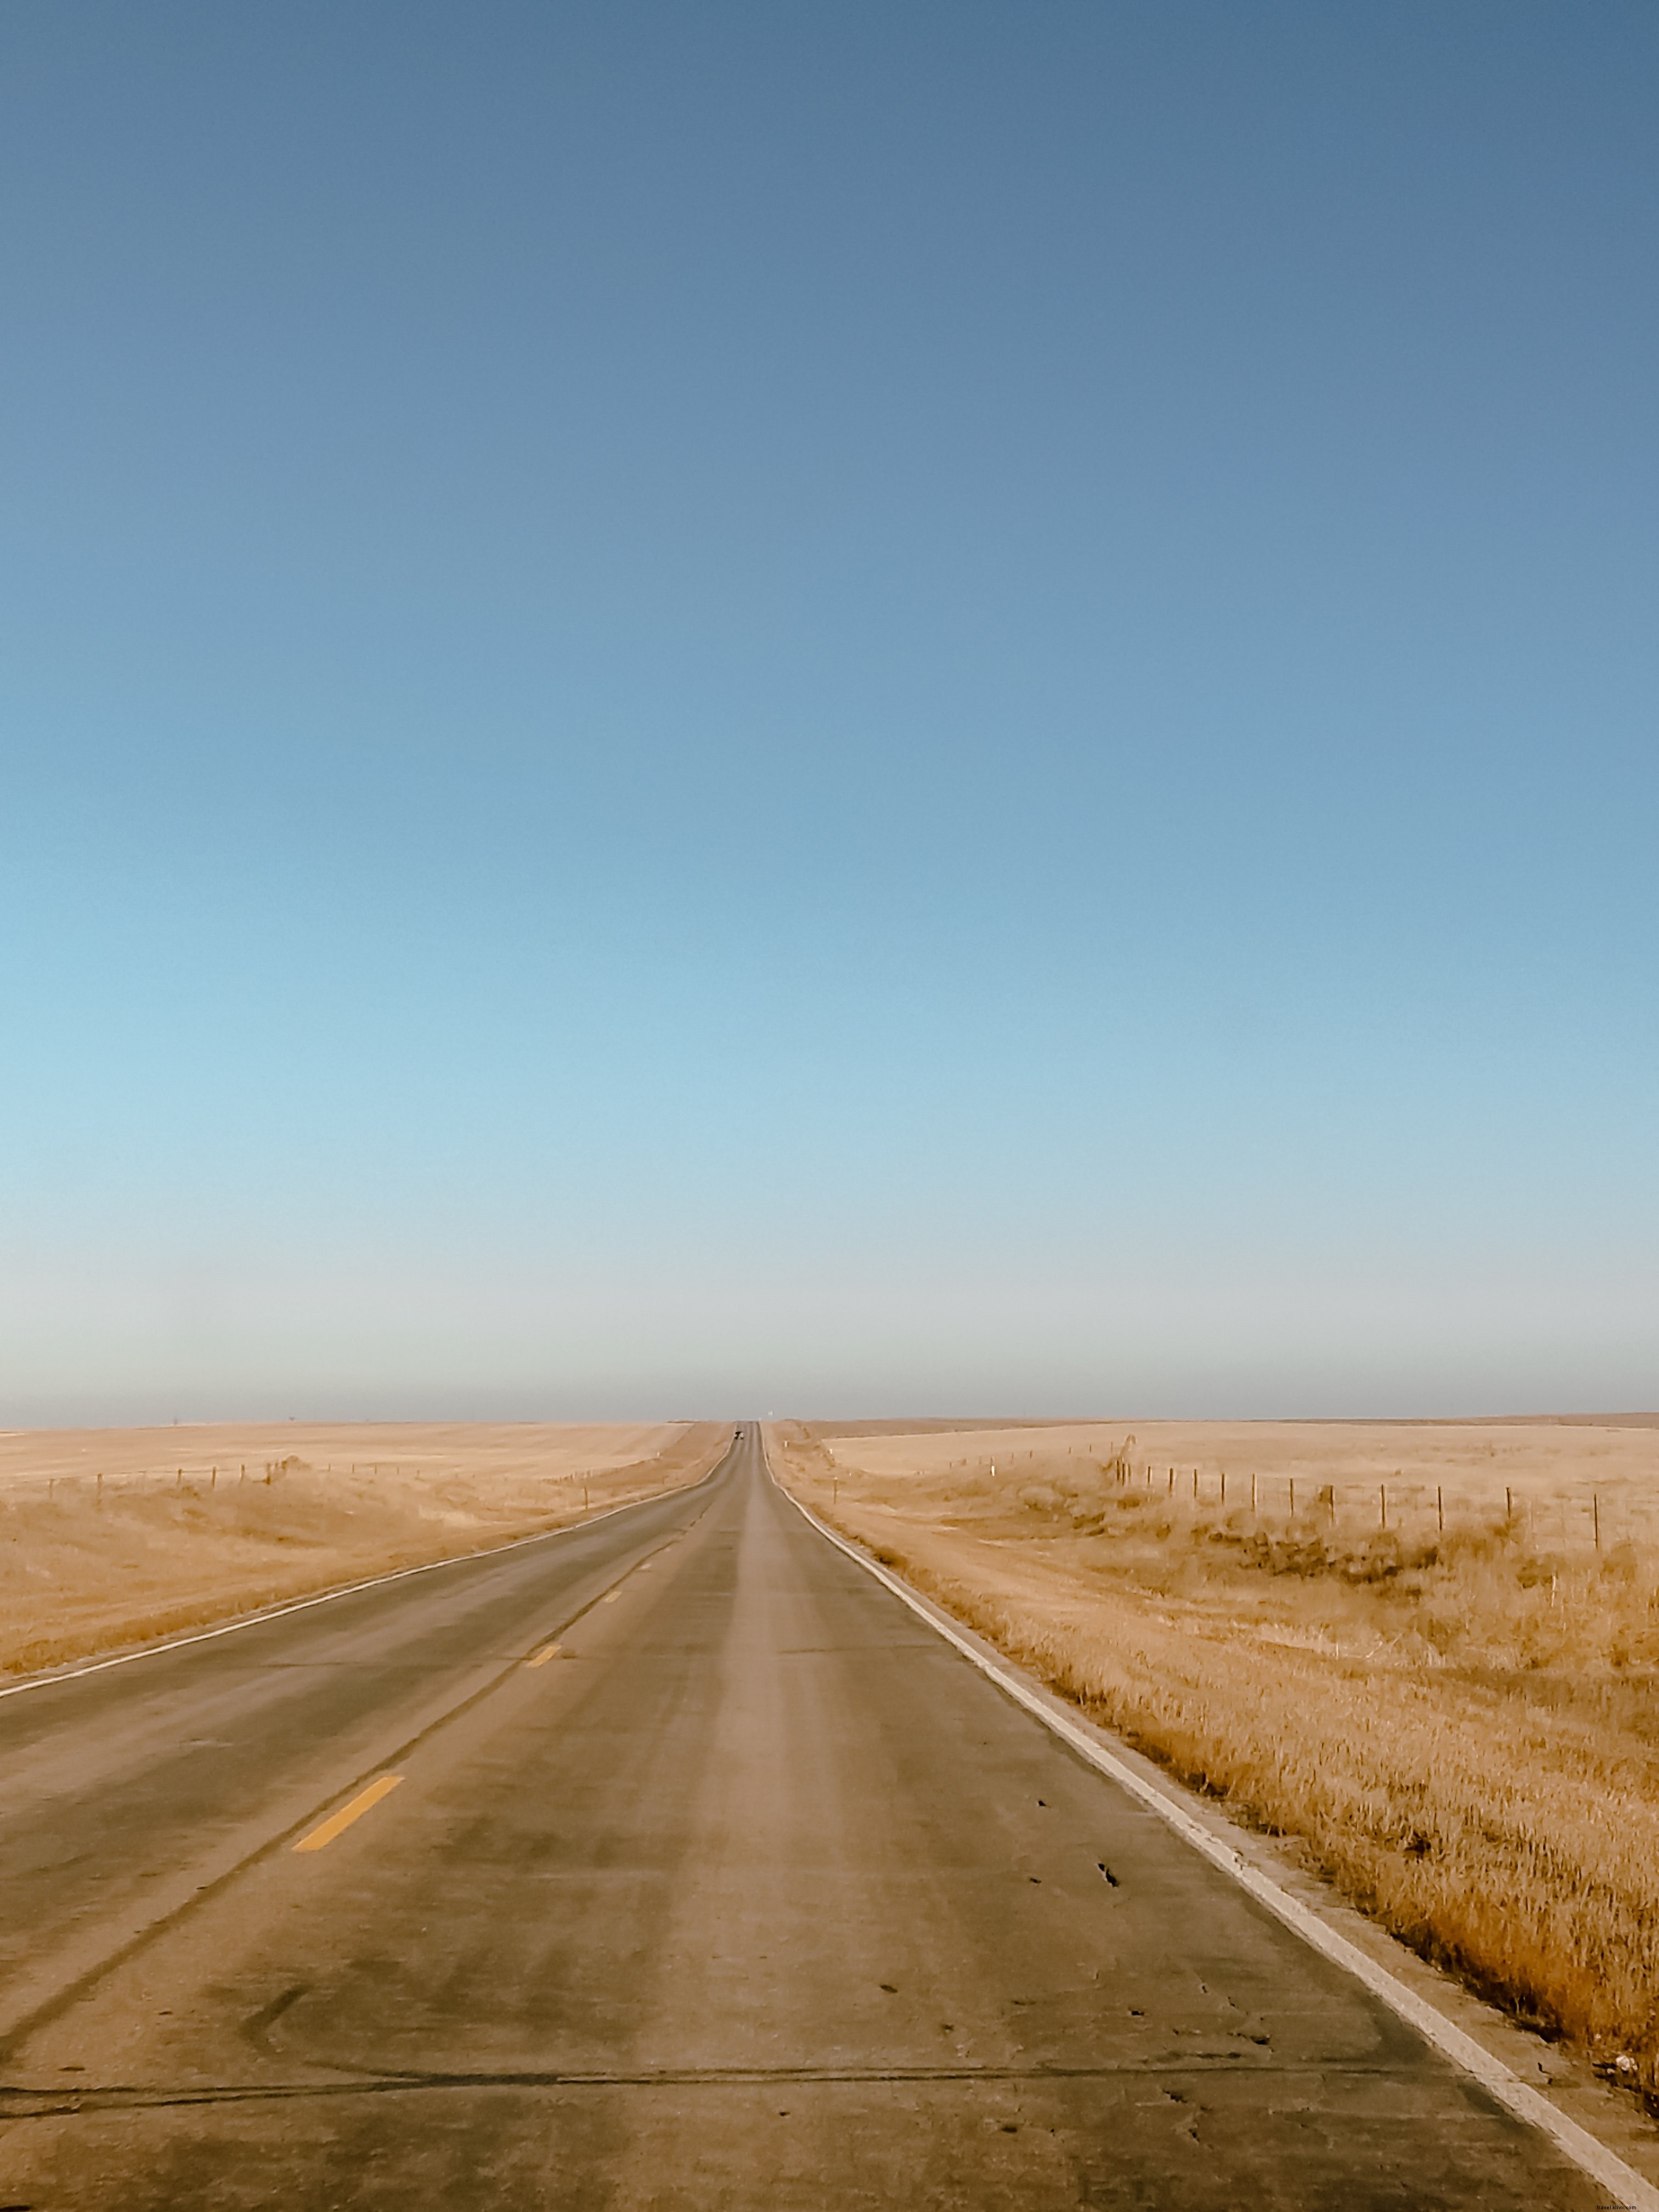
(841,709)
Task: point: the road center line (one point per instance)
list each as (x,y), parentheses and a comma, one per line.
(540,1658)
(339,1822)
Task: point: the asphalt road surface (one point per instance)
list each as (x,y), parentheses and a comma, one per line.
(751,1893)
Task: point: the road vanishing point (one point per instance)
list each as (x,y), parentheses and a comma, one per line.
(669,1860)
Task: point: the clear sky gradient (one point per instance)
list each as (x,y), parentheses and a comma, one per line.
(844,708)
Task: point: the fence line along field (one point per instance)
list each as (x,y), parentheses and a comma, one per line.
(117,1536)
(1429,1651)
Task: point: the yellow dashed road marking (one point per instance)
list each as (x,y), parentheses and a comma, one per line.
(337,1822)
(540,1658)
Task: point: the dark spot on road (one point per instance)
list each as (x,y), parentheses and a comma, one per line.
(255,2029)
(891,1988)
(1111,1878)
(1011,2127)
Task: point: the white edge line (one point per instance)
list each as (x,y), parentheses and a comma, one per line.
(350,1589)
(1631,2192)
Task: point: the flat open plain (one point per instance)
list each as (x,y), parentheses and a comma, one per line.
(110,1537)
(669,1861)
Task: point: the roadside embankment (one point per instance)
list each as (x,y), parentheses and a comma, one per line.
(1434,1664)
(115,1537)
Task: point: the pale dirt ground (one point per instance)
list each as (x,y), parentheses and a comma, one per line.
(1460,1724)
(184,1528)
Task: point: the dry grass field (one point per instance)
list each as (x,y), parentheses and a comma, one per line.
(111,1537)
(1429,1652)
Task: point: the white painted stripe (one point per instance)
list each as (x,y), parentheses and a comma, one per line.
(352,1590)
(1630,2192)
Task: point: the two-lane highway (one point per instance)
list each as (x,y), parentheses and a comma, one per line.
(688,1868)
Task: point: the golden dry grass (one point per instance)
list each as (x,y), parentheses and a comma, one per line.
(111,1537)
(1458,1721)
